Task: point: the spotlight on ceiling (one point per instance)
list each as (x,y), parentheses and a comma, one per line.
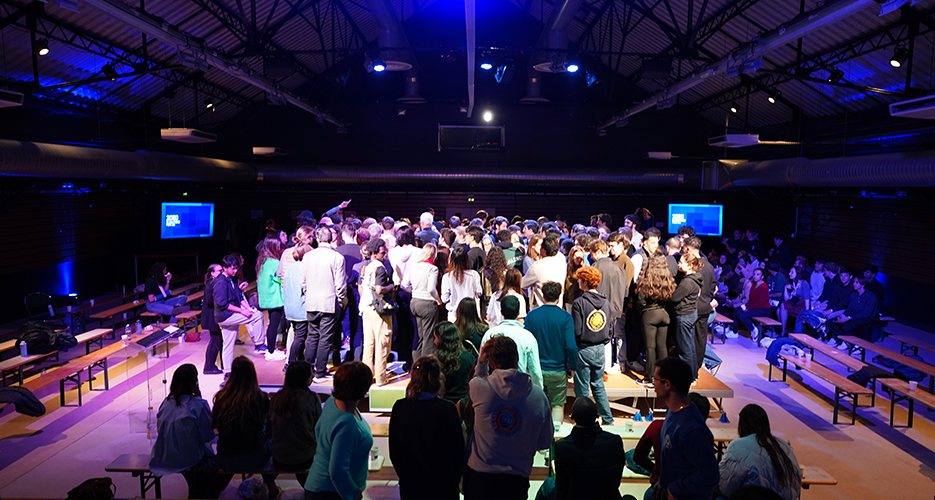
(591,78)
(379,65)
(774,96)
(771,99)
(572,67)
(504,72)
(210,105)
(486,66)
(401,110)
(835,75)
(900,56)
(109,71)
(488,116)
(733,108)
(42,47)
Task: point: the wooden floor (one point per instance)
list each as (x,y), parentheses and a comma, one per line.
(45,457)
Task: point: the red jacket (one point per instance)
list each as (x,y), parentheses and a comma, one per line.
(759,297)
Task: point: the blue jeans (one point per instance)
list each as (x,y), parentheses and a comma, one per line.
(811,317)
(746,317)
(590,373)
(685,340)
(165,306)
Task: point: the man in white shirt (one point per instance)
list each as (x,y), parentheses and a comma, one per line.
(552,267)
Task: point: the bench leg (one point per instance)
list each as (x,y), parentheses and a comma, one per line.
(837,399)
(911,404)
(854,408)
(785,365)
(76,378)
(892,408)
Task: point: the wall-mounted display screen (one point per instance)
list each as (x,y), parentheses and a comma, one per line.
(187,220)
(706,220)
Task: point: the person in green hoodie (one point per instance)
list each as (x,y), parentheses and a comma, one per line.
(592,316)
(269,291)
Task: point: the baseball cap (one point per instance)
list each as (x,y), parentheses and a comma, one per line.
(306,214)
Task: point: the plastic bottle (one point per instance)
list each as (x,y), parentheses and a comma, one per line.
(127,331)
(139,326)
(22,350)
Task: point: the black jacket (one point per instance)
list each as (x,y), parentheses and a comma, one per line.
(589,464)
(225,293)
(208,322)
(839,295)
(686,294)
(708,287)
(592,316)
(614,284)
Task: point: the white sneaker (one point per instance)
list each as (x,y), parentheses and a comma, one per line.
(731,334)
(755,334)
(613,370)
(275,356)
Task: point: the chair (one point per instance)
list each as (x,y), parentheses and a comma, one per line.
(38,304)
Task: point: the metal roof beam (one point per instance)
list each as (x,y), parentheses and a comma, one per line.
(157,28)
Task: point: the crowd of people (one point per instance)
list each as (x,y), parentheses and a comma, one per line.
(491,317)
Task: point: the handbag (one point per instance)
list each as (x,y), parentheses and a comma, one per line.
(384,304)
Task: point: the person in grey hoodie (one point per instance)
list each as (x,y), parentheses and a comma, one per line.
(512,419)
(592,316)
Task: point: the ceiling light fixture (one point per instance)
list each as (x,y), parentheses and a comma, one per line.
(486,66)
(572,67)
(771,99)
(109,71)
(209,105)
(488,116)
(900,56)
(835,75)
(379,65)
(42,47)
(504,72)
(733,108)
(591,78)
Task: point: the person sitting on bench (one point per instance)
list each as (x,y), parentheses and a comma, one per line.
(858,316)
(756,305)
(183,443)
(157,291)
(294,411)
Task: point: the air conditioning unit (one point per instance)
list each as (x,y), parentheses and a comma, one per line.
(10,99)
(734,140)
(922,108)
(188,135)
(269,151)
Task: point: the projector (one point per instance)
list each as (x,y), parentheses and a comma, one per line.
(922,108)
(734,140)
(10,99)
(188,135)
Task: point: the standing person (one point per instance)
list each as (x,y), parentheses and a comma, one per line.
(554,330)
(616,287)
(591,314)
(422,281)
(551,267)
(685,298)
(269,289)
(294,411)
(470,325)
(400,258)
(689,468)
(652,294)
(350,250)
(325,287)
(378,328)
(294,303)
(209,323)
(533,253)
(457,357)
(426,443)
(158,294)
(339,469)
(511,286)
(706,301)
(232,310)
(511,421)
(759,458)
(492,276)
(183,443)
(477,257)
(459,282)
(240,414)
(526,344)
(427,231)
(757,304)
(589,462)
(576,259)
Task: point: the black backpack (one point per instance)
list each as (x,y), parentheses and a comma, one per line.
(40,338)
(98,488)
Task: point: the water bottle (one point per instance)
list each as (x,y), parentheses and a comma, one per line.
(22,350)
(127,331)
(139,326)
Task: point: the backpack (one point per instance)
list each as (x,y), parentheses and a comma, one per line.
(900,370)
(39,338)
(98,488)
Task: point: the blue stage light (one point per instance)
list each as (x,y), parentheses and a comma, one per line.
(486,66)
(379,66)
(572,68)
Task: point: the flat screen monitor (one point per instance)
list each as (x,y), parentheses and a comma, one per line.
(187,220)
(706,220)
(382,399)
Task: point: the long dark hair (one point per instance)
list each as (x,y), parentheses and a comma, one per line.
(426,376)
(210,269)
(656,282)
(495,268)
(512,281)
(449,346)
(158,273)
(239,397)
(269,250)
(184,383)
(458,263)
(298,377)
(467,320)
(753,420)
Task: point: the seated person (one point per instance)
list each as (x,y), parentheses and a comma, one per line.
(858,315)
(294,411)
(759,458)
(795,297)
(651,441)
(874,286)
(756,305)
(589,462)
(183,443)
(834,299)
(776,281)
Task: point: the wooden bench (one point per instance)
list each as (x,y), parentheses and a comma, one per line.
(95,336)
(842,357)
(186,317)
(842,386)
(907,343)
(195,296)
(137,464)
(724,321)
(767,324)
(901,387)
(16,363)
(114,311)
(863,346)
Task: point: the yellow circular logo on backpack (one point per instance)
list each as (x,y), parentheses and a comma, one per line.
(596,320)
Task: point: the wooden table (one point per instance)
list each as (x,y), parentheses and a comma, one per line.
(863,346)
(911,344)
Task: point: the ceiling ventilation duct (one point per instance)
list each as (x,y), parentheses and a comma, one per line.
(553,43)
(915,169)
